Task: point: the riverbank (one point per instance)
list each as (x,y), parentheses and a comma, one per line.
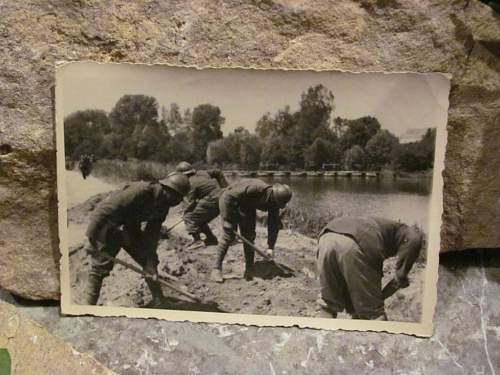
(271,292)
(134,170)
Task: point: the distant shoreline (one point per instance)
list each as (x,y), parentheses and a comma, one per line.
(134,169)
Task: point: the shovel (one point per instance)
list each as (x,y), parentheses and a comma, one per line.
(263,254)
(161,279)
(74,251)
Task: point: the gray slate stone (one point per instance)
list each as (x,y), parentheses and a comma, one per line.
(459,37)
(466,337)
(35,351)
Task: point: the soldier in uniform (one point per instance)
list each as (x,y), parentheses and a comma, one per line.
(85,165)
(202,204)
(238,206)
(351,254)
(116,224)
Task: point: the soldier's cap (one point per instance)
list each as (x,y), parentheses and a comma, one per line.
(185,168)
(177,182)
(282,194)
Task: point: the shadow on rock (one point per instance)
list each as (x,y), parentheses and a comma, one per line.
(269,270)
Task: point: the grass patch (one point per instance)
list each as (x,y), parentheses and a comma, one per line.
(131,170)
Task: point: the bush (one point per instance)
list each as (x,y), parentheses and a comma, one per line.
(131,170)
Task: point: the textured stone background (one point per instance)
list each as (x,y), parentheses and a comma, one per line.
(465,341)
(459,37)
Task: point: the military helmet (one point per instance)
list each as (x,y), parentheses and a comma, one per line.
(185,168)
(177,182)
(282,194)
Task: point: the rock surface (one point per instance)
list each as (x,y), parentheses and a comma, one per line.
(458,37)
(466,337)
(33,350)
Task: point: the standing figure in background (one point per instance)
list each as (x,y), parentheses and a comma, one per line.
(350,261)
(238,206)
(202,204)
(85,165)
(116,223)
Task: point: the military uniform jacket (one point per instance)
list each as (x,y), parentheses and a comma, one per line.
(378,238)
(248,195)
(136,203)
(203,188)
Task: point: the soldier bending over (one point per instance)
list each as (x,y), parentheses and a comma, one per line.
(350,263)
(116,224)
(238,206)
(202,204)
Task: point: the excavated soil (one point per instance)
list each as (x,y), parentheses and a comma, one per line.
(271,292)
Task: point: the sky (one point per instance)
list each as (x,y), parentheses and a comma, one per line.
(400,101)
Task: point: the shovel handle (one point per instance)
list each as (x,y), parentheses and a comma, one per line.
(174,225)
(131,267)
(263,254)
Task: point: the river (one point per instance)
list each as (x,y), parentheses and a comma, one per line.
(405,199)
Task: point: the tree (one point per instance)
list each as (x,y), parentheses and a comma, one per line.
(276,151)
(206,127)
(380,149)
(154,143)
(129,117)
(173,119)
(321,151)
(428,144)
(355,158)
(359,131)
(339,126)
(181,147)
(217,152)
(316,105)
(239,147)
(250,150)
(133,110)
(416,156)
(283,122)
(84,132)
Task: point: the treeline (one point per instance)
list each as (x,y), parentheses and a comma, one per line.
(137,128)
(307,138)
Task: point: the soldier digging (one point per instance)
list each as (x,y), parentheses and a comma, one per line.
(202,204)
(238,206)
(350,263)
(116,224)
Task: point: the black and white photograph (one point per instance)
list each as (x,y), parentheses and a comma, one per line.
(251,196)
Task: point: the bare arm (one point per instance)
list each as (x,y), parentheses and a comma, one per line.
(273,226)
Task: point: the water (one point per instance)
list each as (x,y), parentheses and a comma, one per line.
(405,199)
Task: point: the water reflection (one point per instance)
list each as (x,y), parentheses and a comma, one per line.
(405,199)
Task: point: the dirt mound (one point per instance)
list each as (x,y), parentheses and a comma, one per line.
(271,292)
(80,213)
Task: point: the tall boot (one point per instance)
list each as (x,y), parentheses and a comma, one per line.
(197,242)
(210,239)
(156,292)
(93,289)
(249,262)
(216,274)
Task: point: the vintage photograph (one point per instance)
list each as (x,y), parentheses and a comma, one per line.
(267,197)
